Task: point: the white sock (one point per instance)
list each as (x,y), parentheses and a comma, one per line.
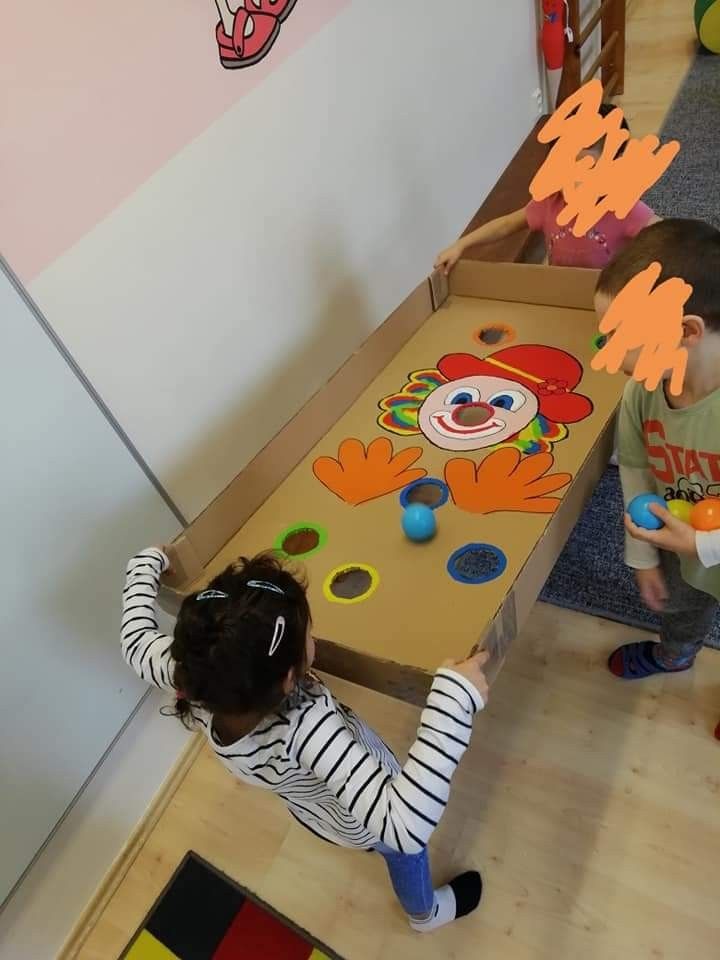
(458,898)
(443,911)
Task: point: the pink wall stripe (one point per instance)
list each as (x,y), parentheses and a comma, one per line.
(97,96)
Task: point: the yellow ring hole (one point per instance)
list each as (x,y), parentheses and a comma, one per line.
(340,583)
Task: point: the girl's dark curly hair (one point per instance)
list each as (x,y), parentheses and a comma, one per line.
(221,644)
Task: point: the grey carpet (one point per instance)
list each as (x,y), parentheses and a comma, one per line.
(590,575)
(689,188)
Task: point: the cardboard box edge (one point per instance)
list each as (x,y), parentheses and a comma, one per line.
(570,287)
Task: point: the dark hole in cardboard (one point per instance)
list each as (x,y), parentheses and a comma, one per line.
(477,563)
(429,494)
(299,542)
(492,335)
(351,583)
(471,416)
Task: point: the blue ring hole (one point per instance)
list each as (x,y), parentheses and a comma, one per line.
(477,563)
(405,495)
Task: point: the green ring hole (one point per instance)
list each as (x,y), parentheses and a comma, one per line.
(301,540)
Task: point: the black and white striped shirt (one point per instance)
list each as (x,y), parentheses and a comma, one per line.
(333,772)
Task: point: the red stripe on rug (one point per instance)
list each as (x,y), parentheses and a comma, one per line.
(256,934)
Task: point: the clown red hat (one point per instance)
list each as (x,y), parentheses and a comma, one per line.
(550,373)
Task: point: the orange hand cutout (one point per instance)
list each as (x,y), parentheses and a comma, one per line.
(505,481)
(359,475)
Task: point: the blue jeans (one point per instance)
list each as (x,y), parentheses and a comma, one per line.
(411,880)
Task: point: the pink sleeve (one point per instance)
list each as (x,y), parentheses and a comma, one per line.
(638,218)
(535,213)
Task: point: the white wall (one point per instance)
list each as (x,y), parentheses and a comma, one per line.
(40,916)
(224,291)
(75,506)
(215,299)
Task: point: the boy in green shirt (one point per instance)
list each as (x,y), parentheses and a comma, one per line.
(670,445)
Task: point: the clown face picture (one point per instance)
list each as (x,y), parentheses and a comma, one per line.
(248,29)
(476,412)
(522,396)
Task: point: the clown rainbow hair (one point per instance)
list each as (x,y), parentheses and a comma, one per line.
(537,437)
(400,416)
(400,410)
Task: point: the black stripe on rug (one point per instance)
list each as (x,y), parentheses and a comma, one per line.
(204,915)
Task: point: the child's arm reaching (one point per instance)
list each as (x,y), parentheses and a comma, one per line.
(488,233)
(401,810)
(144,647)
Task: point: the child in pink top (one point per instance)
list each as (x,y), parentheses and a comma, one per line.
(598,246)
(594,250)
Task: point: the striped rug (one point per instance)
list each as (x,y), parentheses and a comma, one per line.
(203,915)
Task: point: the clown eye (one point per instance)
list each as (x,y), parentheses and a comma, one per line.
(463,395)
(509,400)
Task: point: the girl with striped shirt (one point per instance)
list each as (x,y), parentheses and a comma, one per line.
(239,666)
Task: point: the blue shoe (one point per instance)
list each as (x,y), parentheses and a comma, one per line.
(635,661)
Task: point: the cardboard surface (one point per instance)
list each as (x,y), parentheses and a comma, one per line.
(418,615)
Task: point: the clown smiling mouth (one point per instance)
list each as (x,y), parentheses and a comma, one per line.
(444,424)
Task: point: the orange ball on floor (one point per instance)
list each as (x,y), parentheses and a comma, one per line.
(706,514)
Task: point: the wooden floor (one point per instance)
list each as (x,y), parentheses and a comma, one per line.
(590,806)
(661,44)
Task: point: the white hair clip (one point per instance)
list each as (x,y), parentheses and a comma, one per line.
(213,595)
(264,585)
(277,635)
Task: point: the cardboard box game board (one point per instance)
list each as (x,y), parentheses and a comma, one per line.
(476,397)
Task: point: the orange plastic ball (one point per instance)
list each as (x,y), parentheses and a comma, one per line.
(706,514)
(680,509)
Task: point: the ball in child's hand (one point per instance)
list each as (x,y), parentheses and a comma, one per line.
(680,509)
(640,514)
(706,514)
(418,522)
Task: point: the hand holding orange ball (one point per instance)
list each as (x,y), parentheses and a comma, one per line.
(678,531)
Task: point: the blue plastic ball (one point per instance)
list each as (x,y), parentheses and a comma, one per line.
(418,522)
(641,515)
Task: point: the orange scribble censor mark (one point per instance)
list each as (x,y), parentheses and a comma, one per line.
(594,187)
(648,319)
